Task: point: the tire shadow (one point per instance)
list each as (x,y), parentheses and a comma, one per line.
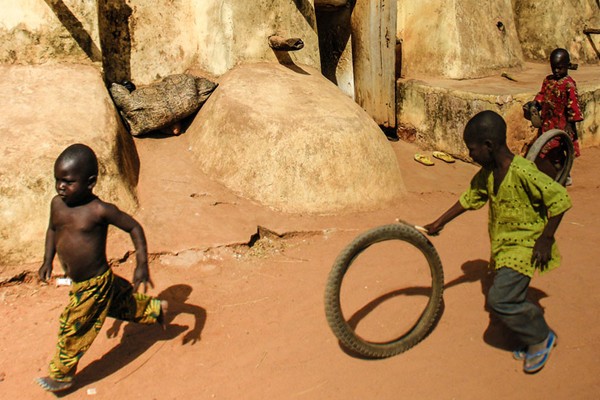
(496,334)
(355,319)
(137,339)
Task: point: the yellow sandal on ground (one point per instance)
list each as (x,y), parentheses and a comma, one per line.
(440,155)
(423,159)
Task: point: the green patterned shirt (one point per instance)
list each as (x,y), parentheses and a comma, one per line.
(518,213)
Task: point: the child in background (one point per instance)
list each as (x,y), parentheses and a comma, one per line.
(558,108)
(525,209)
(77,232)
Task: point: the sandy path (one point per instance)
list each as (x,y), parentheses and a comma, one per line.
(257,315)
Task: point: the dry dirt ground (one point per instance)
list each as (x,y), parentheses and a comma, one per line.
(248,322)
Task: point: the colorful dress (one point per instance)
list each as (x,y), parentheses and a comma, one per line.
(90,302)
(560,106)
(518,213)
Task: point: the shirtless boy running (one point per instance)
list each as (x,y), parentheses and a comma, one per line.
(77,232)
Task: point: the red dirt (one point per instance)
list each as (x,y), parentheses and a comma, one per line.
(257,314)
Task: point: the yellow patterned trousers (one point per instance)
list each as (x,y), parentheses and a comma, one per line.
(90,302)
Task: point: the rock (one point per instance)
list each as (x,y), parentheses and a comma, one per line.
(45,109)
(288,138)
(161,104)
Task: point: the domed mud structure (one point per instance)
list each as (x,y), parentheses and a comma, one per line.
(290,139)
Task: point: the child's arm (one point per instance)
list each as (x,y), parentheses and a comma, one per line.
(453,212)
(125,222)
(574,113)
(540,96)
(542,250)
(45,271)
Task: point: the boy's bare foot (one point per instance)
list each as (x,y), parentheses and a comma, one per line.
(51,385)
(162,318)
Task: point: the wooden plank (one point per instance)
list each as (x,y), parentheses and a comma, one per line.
(374,58)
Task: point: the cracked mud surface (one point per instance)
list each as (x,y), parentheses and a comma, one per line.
(247,316)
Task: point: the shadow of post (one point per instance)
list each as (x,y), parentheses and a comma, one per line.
(75,29)
(306,9)
(114,33)
(334,27)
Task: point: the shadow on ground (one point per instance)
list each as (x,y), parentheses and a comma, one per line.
(496,334)
(137,339)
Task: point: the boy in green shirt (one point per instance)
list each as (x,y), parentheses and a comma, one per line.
(526,207)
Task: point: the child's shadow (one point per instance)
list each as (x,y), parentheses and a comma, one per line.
(137,339)
(496,334)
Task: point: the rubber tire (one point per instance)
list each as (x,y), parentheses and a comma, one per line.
(333,310)
(538,145)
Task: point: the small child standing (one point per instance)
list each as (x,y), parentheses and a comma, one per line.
(526,207)
(558,107)
(77,232)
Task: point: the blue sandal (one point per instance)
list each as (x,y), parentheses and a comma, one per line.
(545,353)
(520,354)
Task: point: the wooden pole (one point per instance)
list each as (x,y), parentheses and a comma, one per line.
(374,58)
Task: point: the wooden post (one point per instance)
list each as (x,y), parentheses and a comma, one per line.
(373,54)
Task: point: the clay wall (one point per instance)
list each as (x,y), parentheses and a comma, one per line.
(143,41)
(544,26)
(458,39)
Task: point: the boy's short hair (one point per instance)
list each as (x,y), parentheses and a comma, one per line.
(560,52)
(486,125)
(83,156)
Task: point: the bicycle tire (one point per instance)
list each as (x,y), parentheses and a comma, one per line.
(335,318)
(538,145)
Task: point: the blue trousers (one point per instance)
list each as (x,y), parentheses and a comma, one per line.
(507,299)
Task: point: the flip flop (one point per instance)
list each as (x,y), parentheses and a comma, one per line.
(545,353)
(440,155)
(520,354)
(423,159)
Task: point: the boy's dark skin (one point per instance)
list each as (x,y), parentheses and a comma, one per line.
(79,224)
(78,228)
(493,154)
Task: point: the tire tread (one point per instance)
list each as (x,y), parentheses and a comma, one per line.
(333,310)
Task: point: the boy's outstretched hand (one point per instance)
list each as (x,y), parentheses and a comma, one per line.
(433,229)
(45,272)
(436,227)
(142,276)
